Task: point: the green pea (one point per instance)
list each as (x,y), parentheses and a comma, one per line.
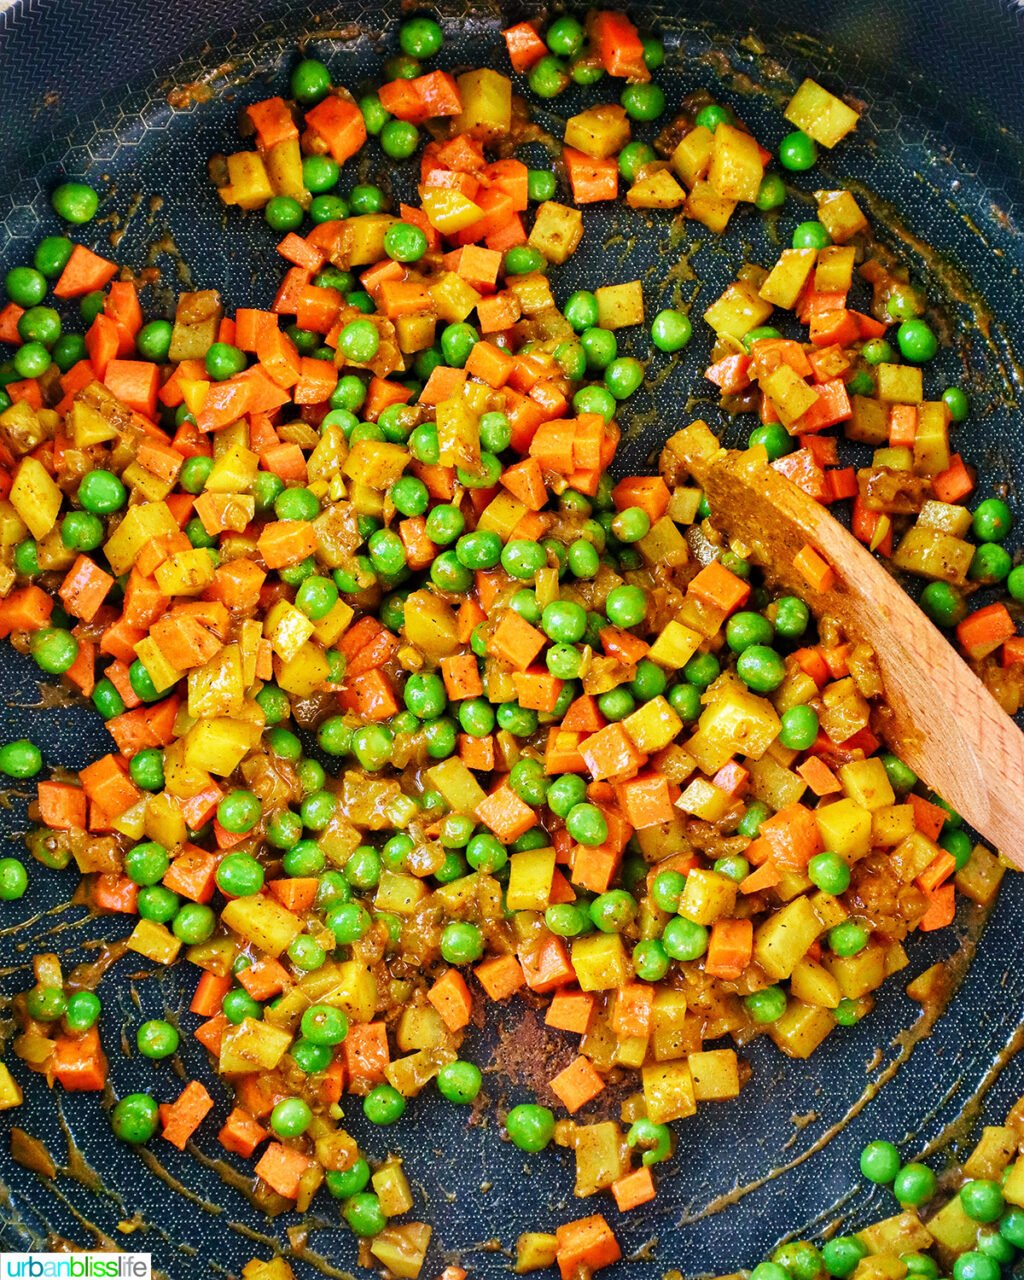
(797,152)
(799,729)
(917,342)
(848,938)
(53,649)
(541,185)
(101,492)
(383,1105)
(310,81)
(239,811)
(766,1006)
(135,1118)
(13,880)
(564,36)
(420,37)
(83,1009)
(829,872)
(613,911)
(671,330)
(761,668)
(20,759)
(25,286)
(811,235)
(460,1082)
(626,606)
(771,194)
(982,1200)
(684,940)
(51,255)
(328,208)
(992,521)
(530,1127)
(651,961)
(194,923)
(644,101)
(957,403)
(548,77)
(914,1184)
(943,604)
(157,1039)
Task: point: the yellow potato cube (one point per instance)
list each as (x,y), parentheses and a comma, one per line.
(287,629)
(708,895)
(716,1075)
(737,311)
(248,181)
(367,232)
(801,1029)
(263,921)
(557,231)
(599,131)
(736,167)
(186,573)
(430,624)
(668,1091)
(706,206)
(845,828)
(781,942)
(820,114)
(692,155)
(866,782)
(35,496)
(304,672)
(859,974)
(657,189)
(535,1251)
(653,725)
(154,941)
(601,962)
(812,983)
(787,278)
(529,880)
(486,105)
(457,785)
(620,305)
(833,272)
(931,443)
(900,383)
(932,554)
(736,723)
(218,745)
(453,297)
(675,646)
(840,215)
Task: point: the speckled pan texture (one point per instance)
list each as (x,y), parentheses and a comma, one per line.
(86,89)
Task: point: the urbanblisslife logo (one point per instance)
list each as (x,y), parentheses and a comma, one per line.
(75,1266)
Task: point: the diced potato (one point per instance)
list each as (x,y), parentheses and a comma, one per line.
(820,114)
(457,785)
(772,783)
(812,983)
(859,974)
(736,167)
(790,395)
(186,573)
(657,189)
(668,1091)
(392,1187)
(801,1029)
(833,272)
(947,517)
(253,1046)
(453,297)
(375,463)
(367,232)
(692,155)
(557,231)
(620,305)
(601,962)
(952,1229)
(672,1030)
(675,646)
(535,1251)
(601,1157)
(284,168)
(599,131)
(870,421)
(248,183)
(218,744)
(931,554)
(430,624)
(738,310)
(163,675)
(529,881)
(263,921)
(708,896)
(706,206)
(11,1094)
(891,824)
(355,991)
(782,941)
(787,278)
(1013,1187)
(664,544)
(716,1075)
(931,443)
(736,723)
(154,941)
(981,878)
(402,1249)
(196,321)
(902,1233)
(653,725)
(486,105)
(398,893)
(840,215)
(704,800)
(304,673)
(287,628)
(900,383)
(420,1026)
(845,828)
(35,496)
(867,782)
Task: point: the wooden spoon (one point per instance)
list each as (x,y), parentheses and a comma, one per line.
(942,720)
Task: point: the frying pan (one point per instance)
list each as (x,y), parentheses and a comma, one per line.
(84,92)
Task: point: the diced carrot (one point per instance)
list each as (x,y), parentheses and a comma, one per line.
(500,976)
(79,1063)
(443,384)
(281,1167)
(525,45)
(570,1010)
(719,587)
(461,676)
(766,876)
(9,317)
(819,777)
(184,1116)
(593,867)
(25,609)
(84,272)
(591,179)
(611,753)
(369,695)
(107,784)
(249,324)
(241,1133)
(618,46)
(929,818)
(366,1054)
(546,963)
(193,874)
(452,999)
(273,121)
(983,631)
(497,313)
(339,123)
(814,569)
(634,1189)
(646,800)
(941,909)
(380,394)
(210,991)
(84,588)
(793,835)
(516,641)
(537,689)
(101,342)
(420,99)
(297,893)
(588,1244)
(264,978)
(632,1007)
(283,543)
(62,806)
(937,872)
(730,948)
(731,374)
(505,814)
(577,1085)
(955,483)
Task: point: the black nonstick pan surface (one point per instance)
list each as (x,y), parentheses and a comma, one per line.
(87,89)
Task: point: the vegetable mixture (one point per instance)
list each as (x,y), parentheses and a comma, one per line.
(413,706)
